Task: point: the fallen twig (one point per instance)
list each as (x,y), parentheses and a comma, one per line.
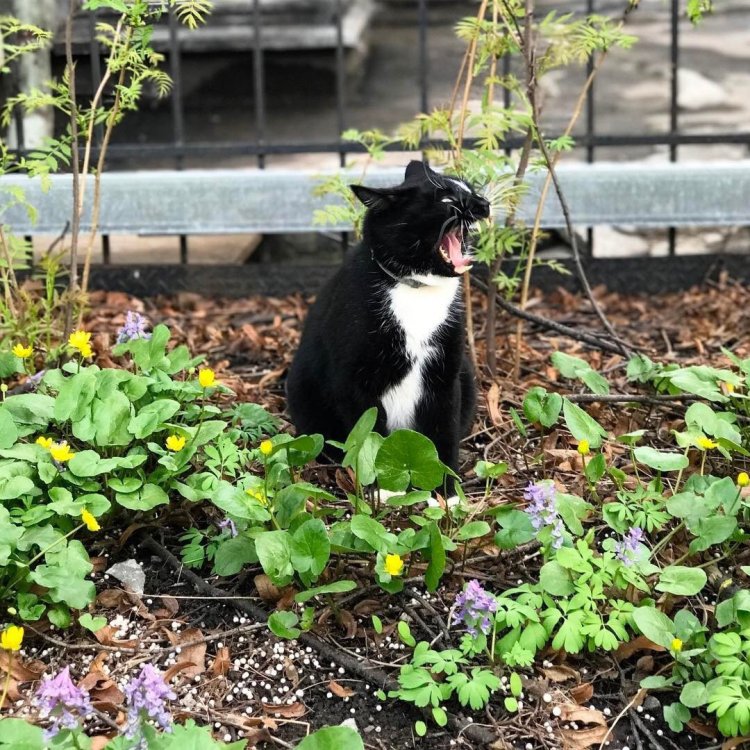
(583,336)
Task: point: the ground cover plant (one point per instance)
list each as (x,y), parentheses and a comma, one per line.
(632,534)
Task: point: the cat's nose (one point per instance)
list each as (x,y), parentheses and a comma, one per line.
(480,208)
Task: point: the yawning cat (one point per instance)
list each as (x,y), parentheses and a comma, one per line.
(387,330)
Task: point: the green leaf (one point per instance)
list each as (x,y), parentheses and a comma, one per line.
(676,715)
(372,532)
(555,579)
(511,704)
(275,556)
(710,531)
(92,623)
(541,407)
(440,716)
(515,528)
(332,738)
(310,547)
(32,412)
(472,530)
(404,633)
(516,687)
(283,624)
(75,396)
(151,417)
(488,470)
(420,728)
(694,694)
(377,624)
(655,625)
(63,575)
(595,468)
(681,580)
(8,431)
(581,425)
(146,498)
(436,567)
(405,458)
(337,587)
(660,460)
(233,554)
(18,734)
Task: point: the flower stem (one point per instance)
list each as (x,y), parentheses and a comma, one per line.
(7,681)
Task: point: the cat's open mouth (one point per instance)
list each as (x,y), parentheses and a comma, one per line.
(452,251)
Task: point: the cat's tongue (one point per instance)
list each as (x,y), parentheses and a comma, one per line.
(451,243)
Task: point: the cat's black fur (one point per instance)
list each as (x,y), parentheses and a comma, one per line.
(353,349)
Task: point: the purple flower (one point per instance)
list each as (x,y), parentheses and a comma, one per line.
(542,510)
(626,550)
(134,328)
(474,607)
(228,523)
(57,698)
(147,695)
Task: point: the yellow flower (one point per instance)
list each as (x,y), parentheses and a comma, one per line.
(266,447)
(11,638)
(4,387)
(258,495)
(584,448)
(61,452)
(175,443)
(22,352)
(706,444)
(676,644)
(729,387)
(88,518)
(44,442)
(206,378)
(394,565)
(81,341)
(743,479)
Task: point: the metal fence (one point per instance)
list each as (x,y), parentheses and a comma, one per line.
(180,148)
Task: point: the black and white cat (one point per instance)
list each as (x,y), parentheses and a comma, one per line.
(387,330)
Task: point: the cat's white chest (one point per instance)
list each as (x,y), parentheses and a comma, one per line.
(419,312)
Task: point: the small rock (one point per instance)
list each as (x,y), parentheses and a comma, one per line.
(651,703)
(698,92)
(130,573)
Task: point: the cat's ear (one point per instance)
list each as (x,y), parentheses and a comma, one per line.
(372,197)
(417,169)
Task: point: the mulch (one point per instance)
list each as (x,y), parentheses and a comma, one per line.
(230,673)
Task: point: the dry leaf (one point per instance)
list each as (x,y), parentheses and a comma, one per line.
(582,693)
(222,662)
(267,591)
(21,670)
(291,672)
(704,730)
(175,669)
(582,738)
(641,643)
(493,407)
(733,742)
(560,673)
(106,636)
(256,735)
(103,691)
(171,604)
(286,710)
(582,715)
(195,653)
(340,690)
